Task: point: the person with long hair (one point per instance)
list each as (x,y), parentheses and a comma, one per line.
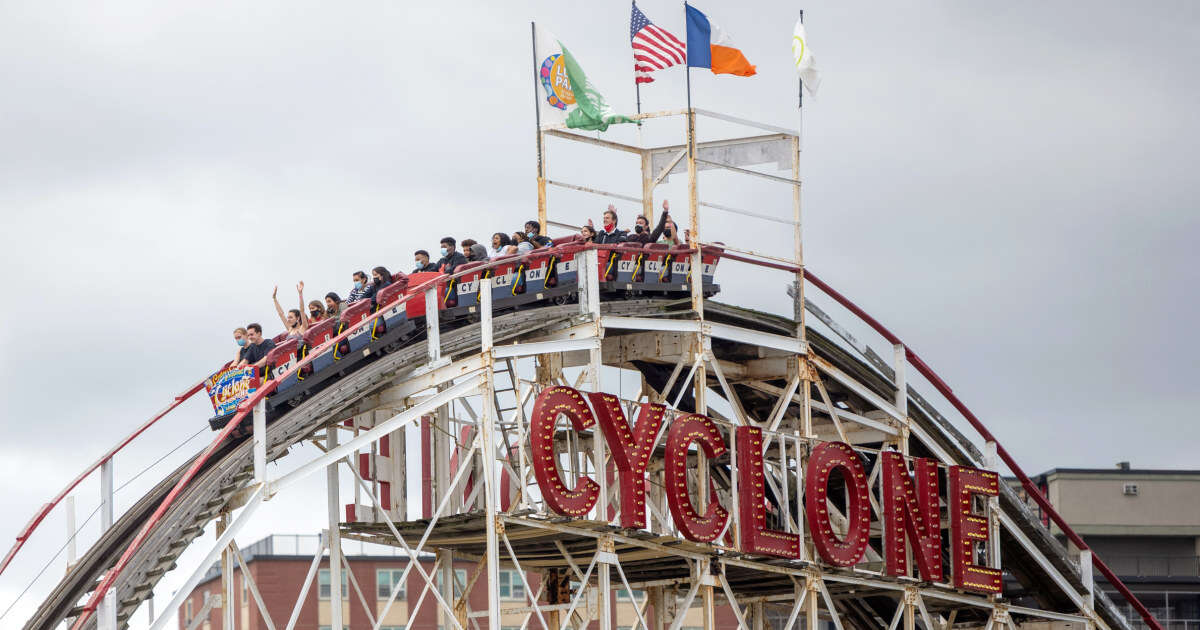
(500,243)
(295,322)
(380,278)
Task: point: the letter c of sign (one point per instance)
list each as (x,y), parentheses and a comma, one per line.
(550,403)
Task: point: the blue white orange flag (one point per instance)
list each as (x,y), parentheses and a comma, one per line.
(810,77)
(709,46)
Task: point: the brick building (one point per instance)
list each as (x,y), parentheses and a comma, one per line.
(279,564)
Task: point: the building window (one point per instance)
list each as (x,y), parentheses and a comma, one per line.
(187,611)
(385,581)
(511,585)
(460,580)
(1131,490)
(323,586)
(623,595)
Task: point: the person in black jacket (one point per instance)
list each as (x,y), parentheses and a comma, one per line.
(642,232)
(609,233)
(421,257)
(451,257)
(533,231)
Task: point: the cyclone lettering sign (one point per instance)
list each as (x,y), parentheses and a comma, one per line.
(838,519)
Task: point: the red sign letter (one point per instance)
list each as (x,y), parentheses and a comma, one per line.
(630,451)
(752,496)
(968,528)
(550,403)
(826,457)
(913,507)
(683,432)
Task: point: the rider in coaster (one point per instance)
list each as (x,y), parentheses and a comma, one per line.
(533,231)
(333,305)
(239,337)
(609,232)
(421,257)
(361,286)
(294,322)
(500,243)
(257,349)
(451,258)
(380,278)
(641,230)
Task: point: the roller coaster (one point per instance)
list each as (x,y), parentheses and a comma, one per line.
(475,358)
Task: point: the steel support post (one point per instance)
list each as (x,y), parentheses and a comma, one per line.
(992,460)
(107,613)
(260,441)
(1085,575)
(228,609)
(334,537)
(487,432)
(899,363)
(810,618)
(604,557)
(647,185)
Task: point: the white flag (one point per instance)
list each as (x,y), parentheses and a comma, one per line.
(555,97)
(802,55)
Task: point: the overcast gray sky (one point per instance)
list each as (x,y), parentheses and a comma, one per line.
(1009,186)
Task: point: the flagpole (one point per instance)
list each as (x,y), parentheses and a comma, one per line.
(798,232)
(537,116)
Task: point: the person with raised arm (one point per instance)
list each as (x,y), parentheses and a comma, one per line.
(295,322)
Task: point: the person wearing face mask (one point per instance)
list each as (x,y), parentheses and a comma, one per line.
(380,278)
(295,322)
(520,244)
(641,230)
(422,259)
(239,337)
(333,305)
(360,288)
(451,257)
(316,311)
(257,348)
(609,233)
(533,232)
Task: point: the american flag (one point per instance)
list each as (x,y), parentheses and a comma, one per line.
(653,48)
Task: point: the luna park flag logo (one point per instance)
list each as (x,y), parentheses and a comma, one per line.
(556,82)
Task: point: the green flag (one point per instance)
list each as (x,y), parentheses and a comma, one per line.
(569,96)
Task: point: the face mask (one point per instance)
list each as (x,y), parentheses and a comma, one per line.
(638,229)
(530,235)
(445,252)
(314,313)
(242,341)
(358,284)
